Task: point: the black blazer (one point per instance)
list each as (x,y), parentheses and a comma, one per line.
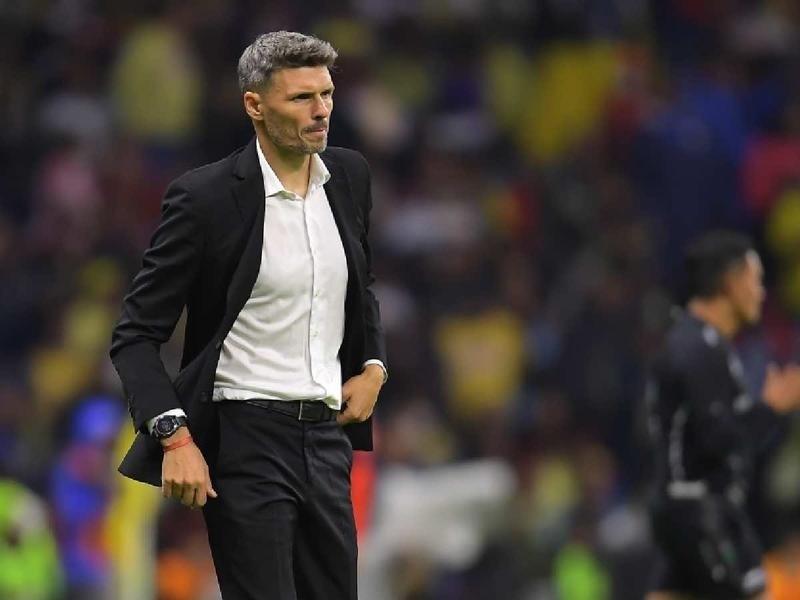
(205,256)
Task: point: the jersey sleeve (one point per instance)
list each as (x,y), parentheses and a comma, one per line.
(726,422)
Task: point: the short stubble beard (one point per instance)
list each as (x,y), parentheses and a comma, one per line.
(278,139)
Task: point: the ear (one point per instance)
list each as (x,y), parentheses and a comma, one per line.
(252,105)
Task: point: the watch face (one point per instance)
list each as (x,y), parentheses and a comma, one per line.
(166,425)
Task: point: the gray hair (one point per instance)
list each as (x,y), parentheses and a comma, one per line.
(281,50)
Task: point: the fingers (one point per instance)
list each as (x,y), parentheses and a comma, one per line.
(205,491)
(210,491)
(193,495)
(355,412)
(186,478)
(359,397)
(344,417)
(187,495)
(349,415)
(200,497)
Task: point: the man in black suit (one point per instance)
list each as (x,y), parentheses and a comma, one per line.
(283,356)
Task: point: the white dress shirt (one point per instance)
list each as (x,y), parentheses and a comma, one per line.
(285,341)
(284,344)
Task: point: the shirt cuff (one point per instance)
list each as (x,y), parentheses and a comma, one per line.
(376,361)
(178,412)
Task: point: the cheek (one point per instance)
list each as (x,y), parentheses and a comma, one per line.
(744,298)
(281,122)
(756,297)
(758,290)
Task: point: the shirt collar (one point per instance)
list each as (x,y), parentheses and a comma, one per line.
(319,175)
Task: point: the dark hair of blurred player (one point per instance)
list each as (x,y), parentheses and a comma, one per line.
(725,281)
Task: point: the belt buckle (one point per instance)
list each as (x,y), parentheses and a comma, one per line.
(300,412)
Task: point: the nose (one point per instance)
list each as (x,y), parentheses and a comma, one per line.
(321,108)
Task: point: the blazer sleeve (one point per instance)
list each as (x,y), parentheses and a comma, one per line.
(374,343)
(153,305)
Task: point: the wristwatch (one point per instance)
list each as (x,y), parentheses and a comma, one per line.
(167,425)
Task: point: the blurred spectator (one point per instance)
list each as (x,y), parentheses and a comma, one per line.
(80,496)
(29,566)
(157,83)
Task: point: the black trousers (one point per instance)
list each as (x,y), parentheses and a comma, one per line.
(709,549)
(282,527)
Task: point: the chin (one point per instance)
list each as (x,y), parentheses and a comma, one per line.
(318,147)
(307,148)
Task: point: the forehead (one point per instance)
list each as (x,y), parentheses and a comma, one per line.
(293,80)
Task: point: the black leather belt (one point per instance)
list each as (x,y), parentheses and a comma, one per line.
(302,410)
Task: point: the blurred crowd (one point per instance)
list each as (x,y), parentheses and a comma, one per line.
(537,167)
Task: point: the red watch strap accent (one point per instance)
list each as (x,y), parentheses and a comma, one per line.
(178,444)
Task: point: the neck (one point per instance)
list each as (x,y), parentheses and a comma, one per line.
(717,312)
(291,168)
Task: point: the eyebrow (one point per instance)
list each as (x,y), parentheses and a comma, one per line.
(311,92)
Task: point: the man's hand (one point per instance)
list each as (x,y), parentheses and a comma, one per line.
(782,388)
(184,473)
(359,395)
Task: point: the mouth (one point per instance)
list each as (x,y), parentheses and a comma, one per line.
(317,130)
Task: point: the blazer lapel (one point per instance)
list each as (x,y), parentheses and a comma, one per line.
(248,186)
(340,199)
(248,192)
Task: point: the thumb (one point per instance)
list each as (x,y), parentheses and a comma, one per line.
(210,490)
